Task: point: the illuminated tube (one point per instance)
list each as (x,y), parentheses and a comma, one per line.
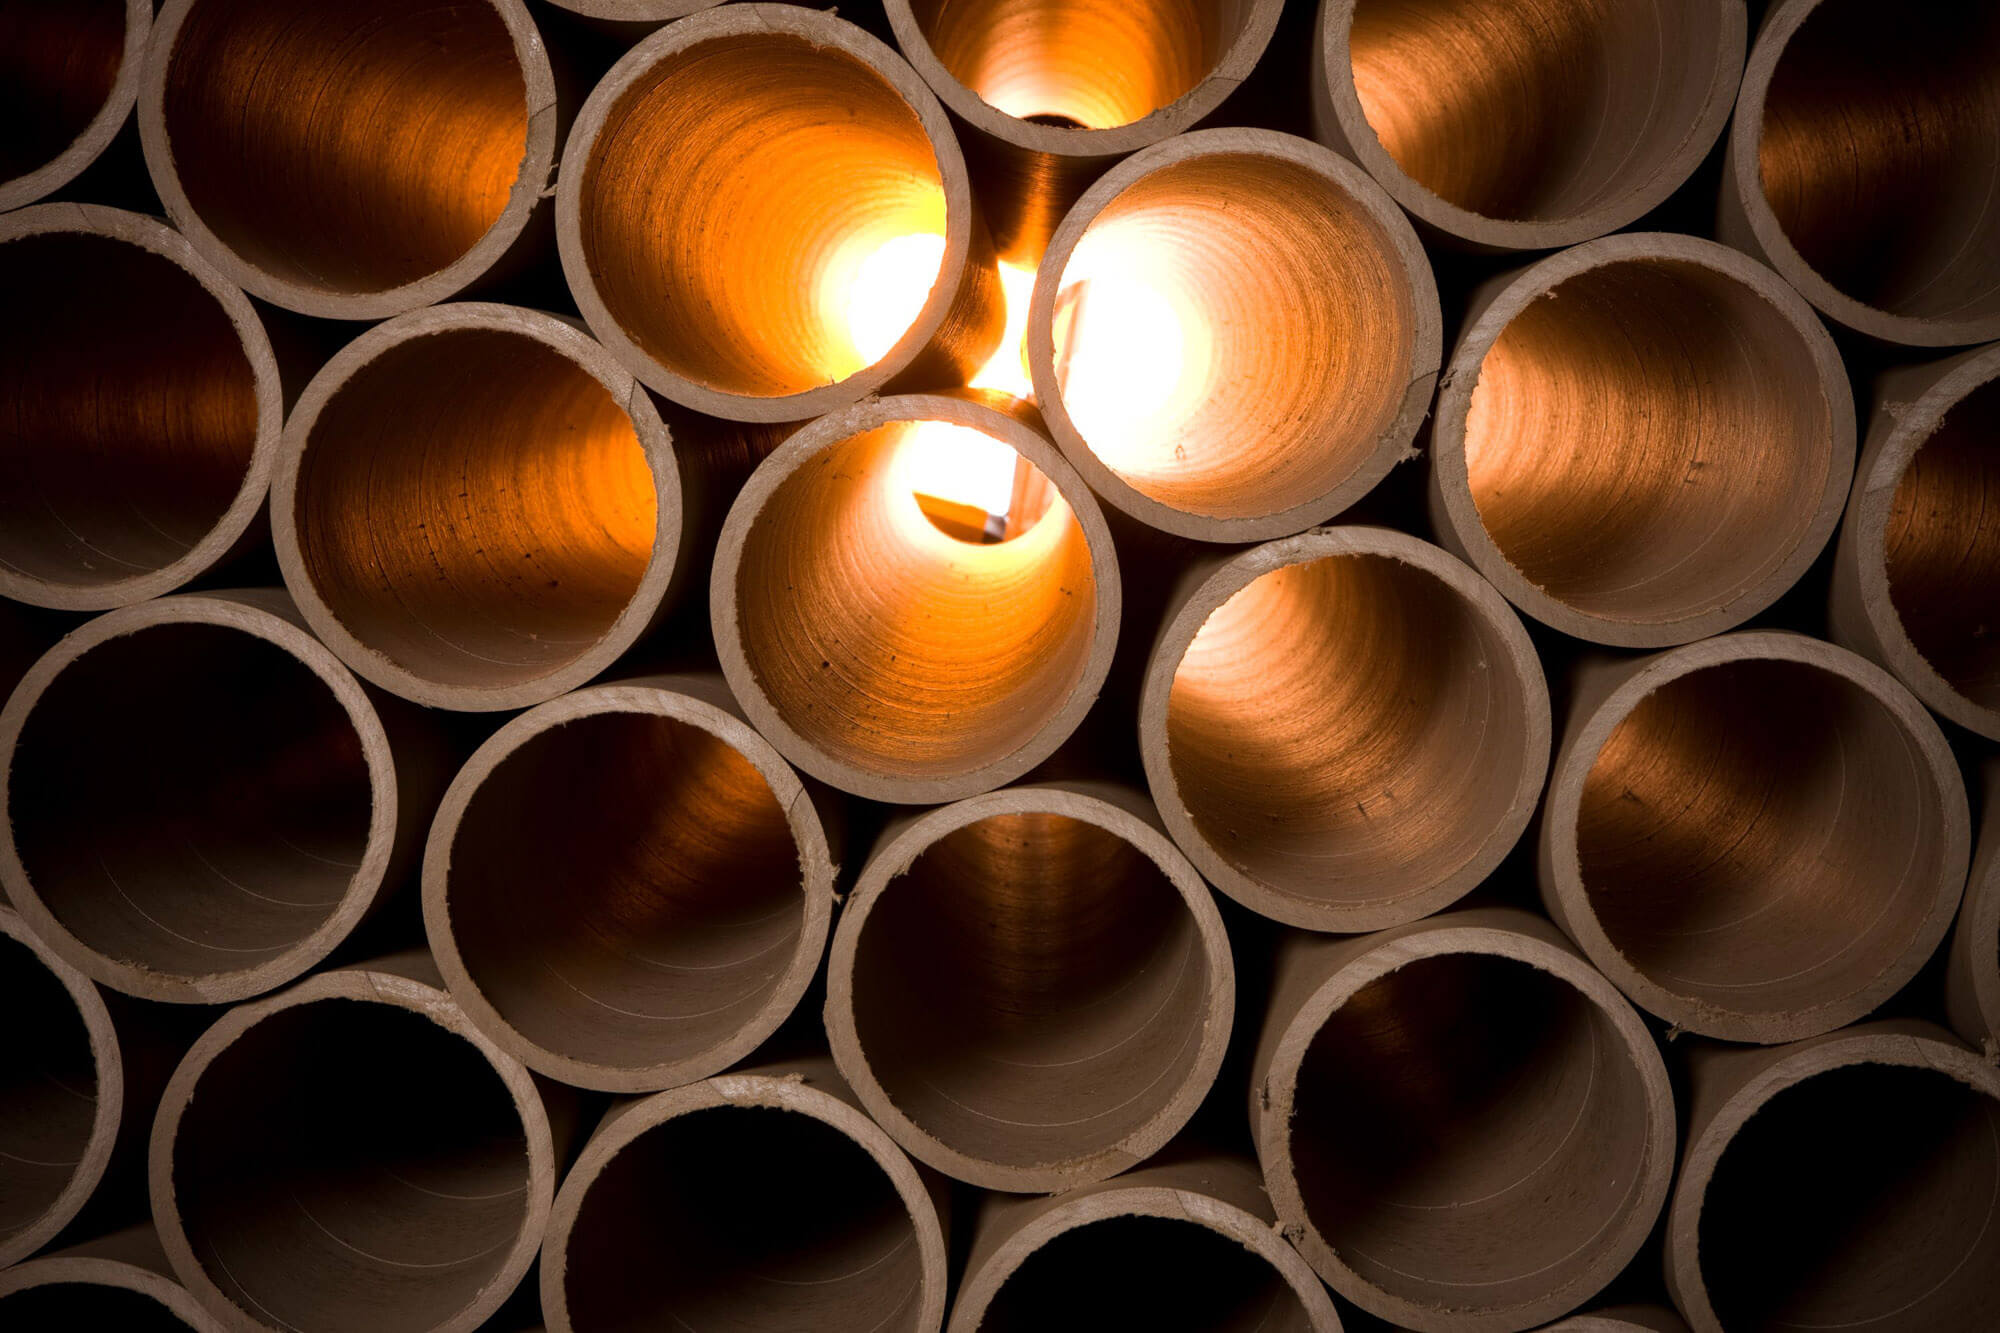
(200,802)
(1919,556)
(1527,124)
(875,630)
(763,213)
(1643,440)
(761,1201)
(1052,92)
(120,1281)
(1702,842)
(1234,335)
(1031,990)
(71,74)
(1345,730)
(1462,1125)
(1188,1243)
(1972,978)
(477,507)
(1844,1182)
(140,407)
(1860,165)
(349,1147)
(627,887)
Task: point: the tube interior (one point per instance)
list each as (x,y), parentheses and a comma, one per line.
(54,1305)
(348,146)
(475,506)
(1649,441)
(350,1164)
(1341,730)
(897,648)
(1031,990)
(1864,1197)
(625,890)
(1534,110)
(48,1090)
(746,1218)
(1164,1274)
(58,62)
(1468,1130)
(190,799)
(1233,334)
(128,409)
(1942,547)
(734,199)
(1761,836)
(1878,154)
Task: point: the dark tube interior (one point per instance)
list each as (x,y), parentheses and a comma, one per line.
(58,62)
(48,1090)
(87,1305)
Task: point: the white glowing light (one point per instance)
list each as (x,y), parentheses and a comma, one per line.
(889,290)
(1122,351)
(959,465)
(1007,371)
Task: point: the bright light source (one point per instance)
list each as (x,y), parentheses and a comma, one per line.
(1007,371)
(889,290)
(960,466)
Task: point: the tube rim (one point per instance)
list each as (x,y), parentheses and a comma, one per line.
(63,1270)
(94,138)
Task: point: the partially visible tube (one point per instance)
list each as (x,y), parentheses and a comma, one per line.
(1622,1319)
(121,1281)
(69,73)
(1972,977)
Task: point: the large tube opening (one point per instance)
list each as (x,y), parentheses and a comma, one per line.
(58,64)
(48,1092)
(56,1305)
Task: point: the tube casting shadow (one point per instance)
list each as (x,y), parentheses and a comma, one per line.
(69,73)
(1973,975)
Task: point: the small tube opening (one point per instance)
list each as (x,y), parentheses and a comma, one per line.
(48,1091)
(53,1305)
(58,63)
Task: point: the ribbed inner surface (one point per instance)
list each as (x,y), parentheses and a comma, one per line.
(1865,1197)
(1533,110)
(1233,333)
(84,1305)
(48,1091)
(1942,547)
(1468,1132)
(1649,441)
(1032,990)
(349,146)
(625,890)
(128,409)
(1880,144)
(743,1219)
(58,62)
(734,194)
(1760,836)
(476,507)
(190,799)
(1167,1275)
(347,1164)
(1343,731)
(894,647)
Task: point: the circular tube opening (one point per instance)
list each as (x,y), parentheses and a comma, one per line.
(1350,740)
(354,158)
(1234,335)
(53,1305)
(68,74)
(139,409)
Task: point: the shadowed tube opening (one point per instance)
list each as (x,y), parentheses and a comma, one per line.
(1467,1132)
(1032,990)
(1649,442)
(749,1218)
(58,62)
(475,506)
(1877,154)
(349,146)
(347,1163)
(190,799)
(48,1092)
(1761,837)
(1863,1196)
(128,410)
(54,1305)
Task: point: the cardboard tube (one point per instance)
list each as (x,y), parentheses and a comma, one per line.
(121,1281)
(1031,989)
(200,801)
(1972,977)
(1860,165)
(140,407)
(627,887)
(762,1201)
(1848,1180)
(477,507)
(352,1151)
(1344,730)
(1234,335)
(1622,1319)
(1527,124)
(1920,547)
(633,18)
(1462,1125)
(1642,441)
(71,74)
(771,167)
(1759,837)
(1052,92)
(1188,1243)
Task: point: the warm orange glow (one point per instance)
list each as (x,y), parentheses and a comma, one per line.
(1007,371)
(960,466)
(888,291)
